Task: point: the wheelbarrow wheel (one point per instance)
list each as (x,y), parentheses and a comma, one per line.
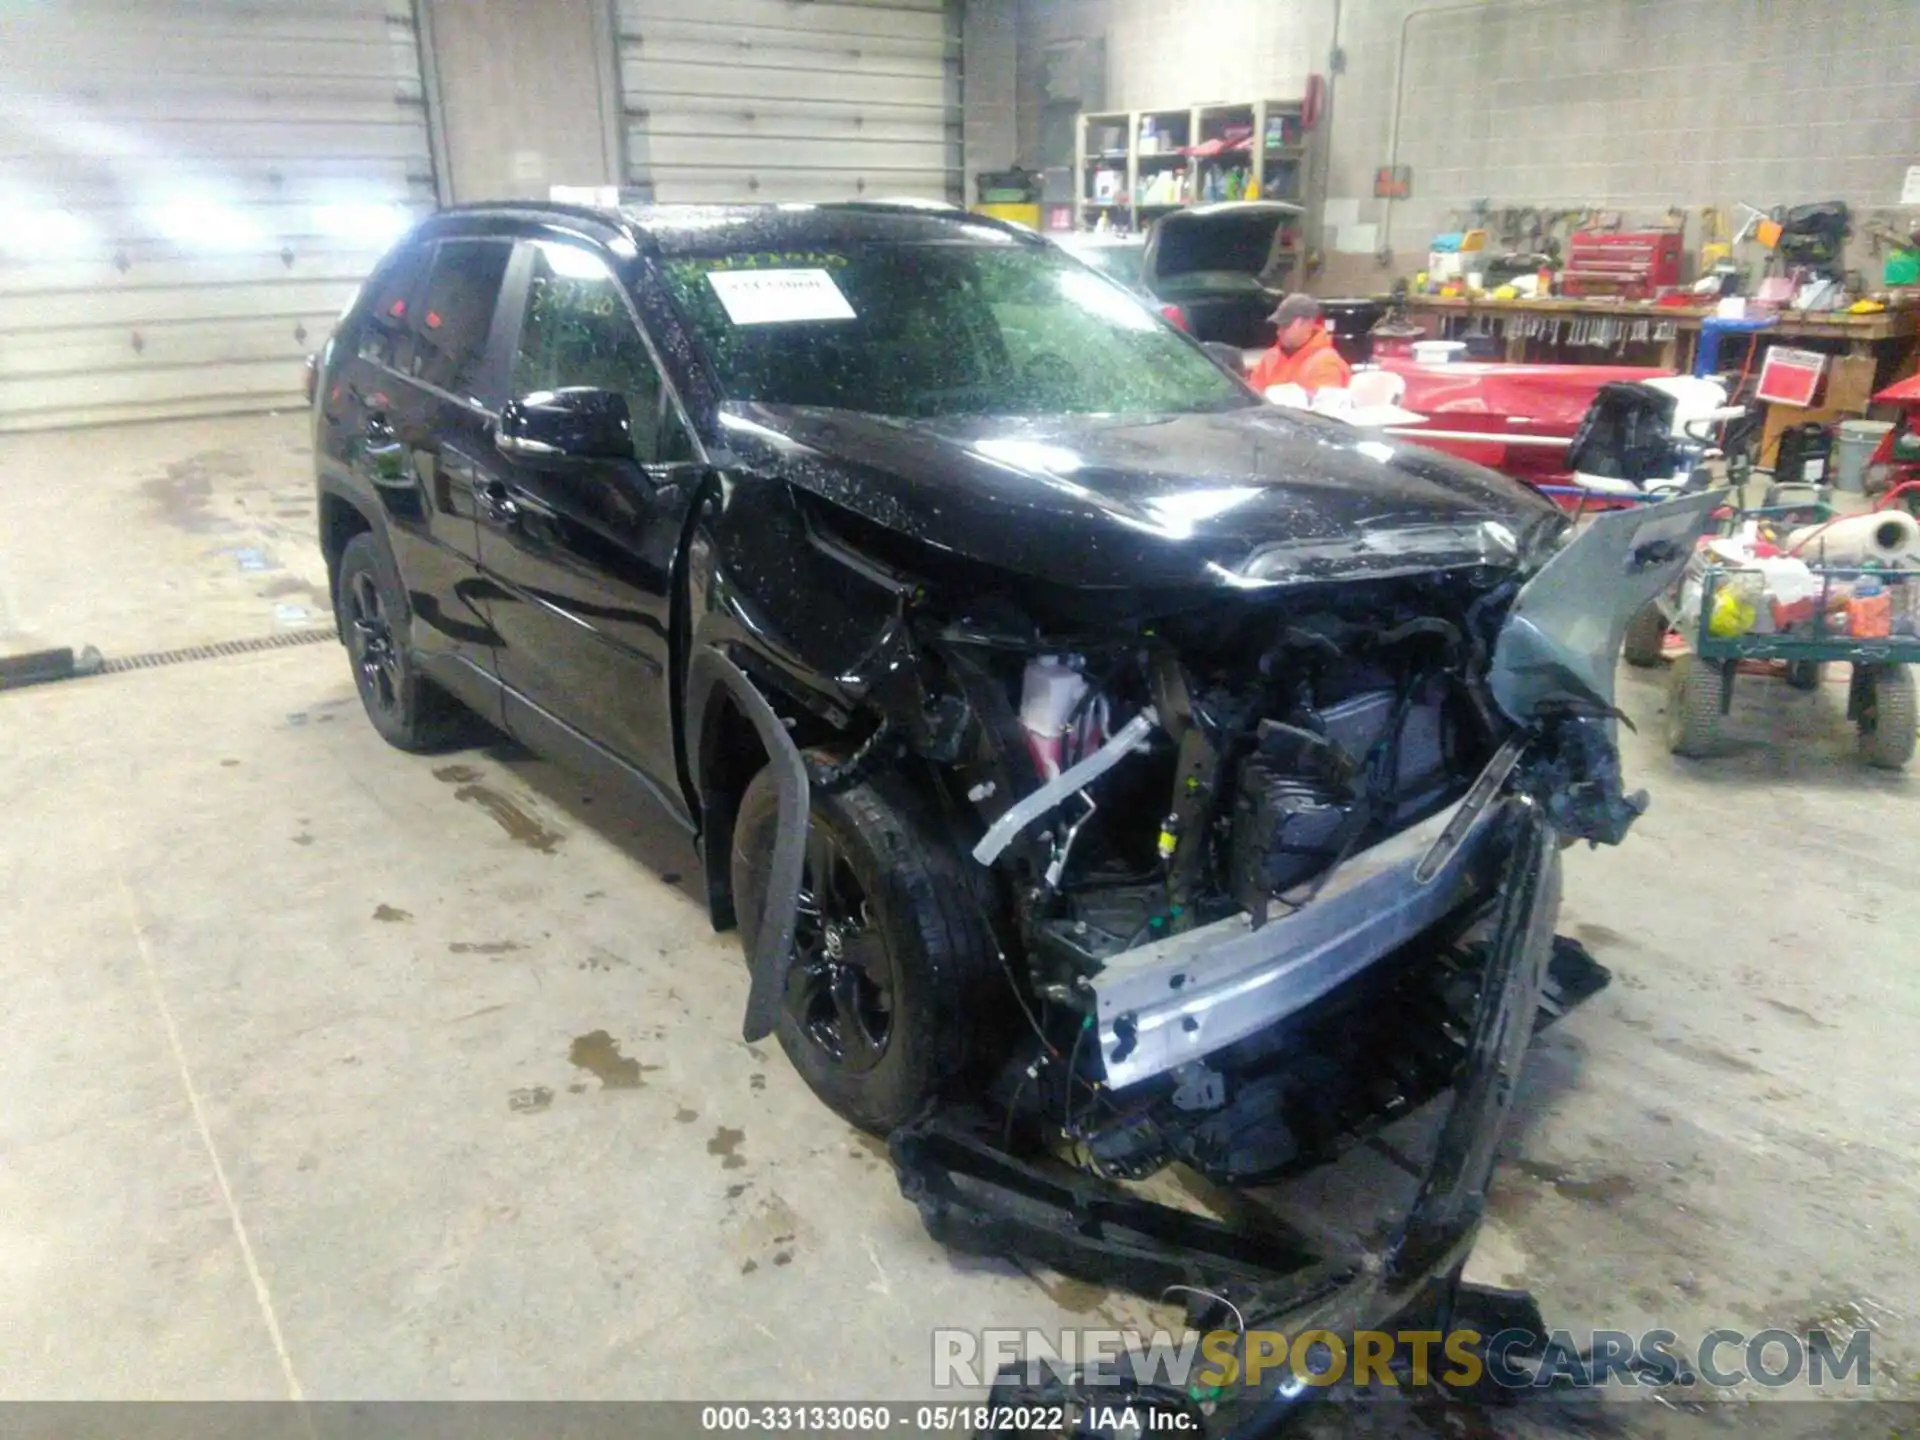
(1693,707)
(1885,713)
(1803,674)
(1646,636)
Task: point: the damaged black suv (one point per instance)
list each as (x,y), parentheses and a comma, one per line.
(1073,735)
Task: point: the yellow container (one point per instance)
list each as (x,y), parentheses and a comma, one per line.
(1023,214)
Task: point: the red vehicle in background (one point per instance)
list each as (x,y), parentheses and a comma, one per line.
(1517,419)
(1893,470)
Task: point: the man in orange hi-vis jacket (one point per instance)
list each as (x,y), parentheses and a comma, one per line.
(1302,352)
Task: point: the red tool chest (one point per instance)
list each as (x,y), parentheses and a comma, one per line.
(1637,264)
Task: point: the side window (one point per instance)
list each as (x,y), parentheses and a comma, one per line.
(578,332)
(452,317)
(383,322)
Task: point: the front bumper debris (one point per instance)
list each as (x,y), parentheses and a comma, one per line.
(1184,997)
(978,1200)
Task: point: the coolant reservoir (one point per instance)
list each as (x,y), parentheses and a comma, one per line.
(1048,693)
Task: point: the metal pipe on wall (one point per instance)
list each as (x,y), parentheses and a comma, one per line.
(613,110)
(435,101)
(1400,83)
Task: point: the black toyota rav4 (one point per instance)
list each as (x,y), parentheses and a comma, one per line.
(1077,739)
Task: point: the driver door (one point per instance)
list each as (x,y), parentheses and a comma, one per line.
(581,551)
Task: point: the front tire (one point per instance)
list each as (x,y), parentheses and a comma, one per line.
(371,610)
(1884,711)
(891,987)
(1693,706)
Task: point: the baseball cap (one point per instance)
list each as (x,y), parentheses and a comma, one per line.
(1295,307)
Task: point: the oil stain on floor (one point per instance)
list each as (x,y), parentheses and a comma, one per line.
(726,1144)
(599,1054)
(519,825)
(183,496)
(1605,1188)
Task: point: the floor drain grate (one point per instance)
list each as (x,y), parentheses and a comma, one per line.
(121,664)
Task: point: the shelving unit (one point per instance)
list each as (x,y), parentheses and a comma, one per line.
(1133,166)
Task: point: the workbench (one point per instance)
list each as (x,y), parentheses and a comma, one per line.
(1606,329)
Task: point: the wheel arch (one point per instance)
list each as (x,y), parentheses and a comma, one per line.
(737,734)
(340,521)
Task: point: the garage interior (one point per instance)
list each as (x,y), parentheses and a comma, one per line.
(335,1073)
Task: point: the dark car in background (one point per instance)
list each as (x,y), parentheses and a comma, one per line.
(1215,270)
(1073,736)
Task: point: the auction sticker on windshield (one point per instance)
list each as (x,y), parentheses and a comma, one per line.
(776,297)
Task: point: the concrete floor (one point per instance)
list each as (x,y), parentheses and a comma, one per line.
(333,1071)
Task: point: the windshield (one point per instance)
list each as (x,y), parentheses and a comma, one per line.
(920,330)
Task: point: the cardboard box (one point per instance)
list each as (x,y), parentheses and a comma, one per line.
(1849,383)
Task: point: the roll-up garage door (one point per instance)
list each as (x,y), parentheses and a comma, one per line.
(791,99)
(190,190)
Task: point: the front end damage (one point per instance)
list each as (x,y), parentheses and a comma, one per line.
(1269,869)
(977,1199)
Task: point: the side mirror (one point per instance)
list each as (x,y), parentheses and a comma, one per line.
(572,424)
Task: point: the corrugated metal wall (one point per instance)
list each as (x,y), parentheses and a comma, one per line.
(791,99)
(190,190)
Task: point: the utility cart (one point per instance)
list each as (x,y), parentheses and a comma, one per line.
(1880,694)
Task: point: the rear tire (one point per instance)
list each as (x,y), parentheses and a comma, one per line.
(894,987)
(1693,707)
(1885,713)
(1646,636)
(370,607)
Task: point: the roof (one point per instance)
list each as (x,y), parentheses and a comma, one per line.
(710,229)
(723,229)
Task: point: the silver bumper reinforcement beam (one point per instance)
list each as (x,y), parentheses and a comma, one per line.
(1184,997)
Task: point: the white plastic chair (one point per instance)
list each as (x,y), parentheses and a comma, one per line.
(1376,387)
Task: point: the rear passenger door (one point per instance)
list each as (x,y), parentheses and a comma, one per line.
(448,377)
(581,554)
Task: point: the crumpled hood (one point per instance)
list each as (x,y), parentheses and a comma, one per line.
(1241,499)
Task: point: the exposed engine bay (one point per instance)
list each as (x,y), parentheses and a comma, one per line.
(1236,841)
(1282,741)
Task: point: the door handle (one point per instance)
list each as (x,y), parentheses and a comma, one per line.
(494,500)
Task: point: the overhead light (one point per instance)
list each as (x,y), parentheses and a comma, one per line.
(41,233)
(1099,297)
(207,224)
(1178,513)
(570,262)
(1029,454)
(372,223)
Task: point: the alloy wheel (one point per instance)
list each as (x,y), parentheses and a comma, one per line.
(840,988)
(376,660)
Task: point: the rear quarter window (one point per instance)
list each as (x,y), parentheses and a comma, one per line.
(379,333)
(451,318)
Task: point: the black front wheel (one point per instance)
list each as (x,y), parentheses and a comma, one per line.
(371,611)
(892,977)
